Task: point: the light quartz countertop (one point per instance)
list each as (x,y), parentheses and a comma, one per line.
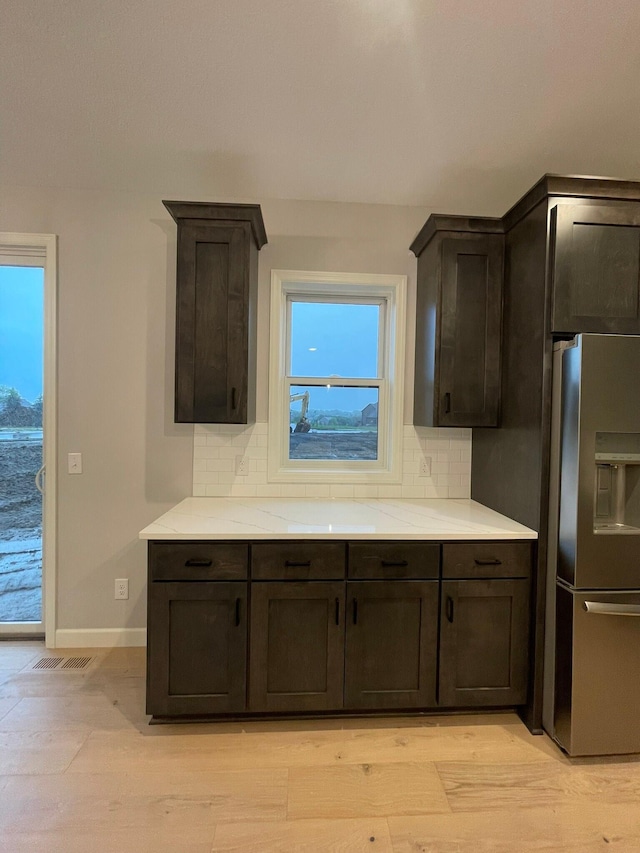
(333,518)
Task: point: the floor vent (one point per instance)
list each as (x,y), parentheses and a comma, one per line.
(76,663)
(47,663)
(54,663)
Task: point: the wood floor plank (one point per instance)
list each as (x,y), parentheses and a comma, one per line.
(113,840)
(176,803)
(95,712)
(365,790)
(305,836)
(478,787)
(6,705)
(584,828)
(221,751)
(38,752)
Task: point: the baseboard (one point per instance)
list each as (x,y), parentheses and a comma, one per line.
(99,638)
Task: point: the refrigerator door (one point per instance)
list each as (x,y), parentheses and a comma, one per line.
(599,518)
(597,674)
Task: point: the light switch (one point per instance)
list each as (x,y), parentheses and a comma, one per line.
(74,463)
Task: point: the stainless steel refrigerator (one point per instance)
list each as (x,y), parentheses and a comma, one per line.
(592,636)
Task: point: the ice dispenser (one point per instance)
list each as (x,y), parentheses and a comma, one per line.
(617,483)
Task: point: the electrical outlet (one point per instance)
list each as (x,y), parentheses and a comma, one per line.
(425,466)
(242,465)
(122,588)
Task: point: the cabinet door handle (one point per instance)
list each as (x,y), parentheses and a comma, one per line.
(337,611)
(447,403)
(488,562)
(233,397)
(297,563)
(449,609)
(237,612)
(398,563)
(199,563)
(355,611)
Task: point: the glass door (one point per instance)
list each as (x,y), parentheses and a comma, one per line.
(21,446)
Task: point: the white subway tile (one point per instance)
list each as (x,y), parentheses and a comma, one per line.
(269,490)
(342,490)
(218,491)
(366,491)
(317,490)
(413,491)
(199,490)
(243,491)
(199,465)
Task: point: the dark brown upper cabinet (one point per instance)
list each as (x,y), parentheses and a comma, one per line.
(216,295)
(596,267)
(458,322)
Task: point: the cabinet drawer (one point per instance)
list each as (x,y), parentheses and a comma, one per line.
(198,561)
(487,560)
(298,561)
(398,560)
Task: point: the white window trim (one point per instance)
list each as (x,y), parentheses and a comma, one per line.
(393,290)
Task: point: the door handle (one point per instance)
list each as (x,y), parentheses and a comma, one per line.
(237,612)
(355,611)
(233,397)
(605,609)
(447,403)
(39,479)
(449,606)
(337,611)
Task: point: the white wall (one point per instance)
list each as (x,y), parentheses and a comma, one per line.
(116,283)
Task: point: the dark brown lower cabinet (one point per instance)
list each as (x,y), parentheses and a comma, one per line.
(483,642)
(196,648)
(391,642)
(297,646)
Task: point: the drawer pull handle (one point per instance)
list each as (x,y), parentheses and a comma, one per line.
(488,562)
(337,611)
(449,609)
(355,611)
(395,563)
(237,612)
(297,563)
(201,564)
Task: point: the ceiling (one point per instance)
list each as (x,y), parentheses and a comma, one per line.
(457,105)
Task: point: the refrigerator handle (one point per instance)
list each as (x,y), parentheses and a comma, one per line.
(612,609)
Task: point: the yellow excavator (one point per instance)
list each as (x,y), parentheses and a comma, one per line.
(303,424)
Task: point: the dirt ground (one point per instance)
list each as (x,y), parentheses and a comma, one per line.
(20,532)
(20,501)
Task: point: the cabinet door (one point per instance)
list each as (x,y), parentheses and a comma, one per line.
(196,648)
(467,388)
(483,642)
(297,646)
(596,268)
(391,644)
(212,324)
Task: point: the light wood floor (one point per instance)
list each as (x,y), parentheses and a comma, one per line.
(81,771)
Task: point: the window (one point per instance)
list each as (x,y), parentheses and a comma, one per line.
(337,362)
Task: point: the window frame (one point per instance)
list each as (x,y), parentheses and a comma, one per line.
(390,292)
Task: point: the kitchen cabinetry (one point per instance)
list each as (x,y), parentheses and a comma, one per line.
(216,293)
(458,322)
(196,629)
(391,642)
(484,624)
(334,626)
(297,646)
(596,267)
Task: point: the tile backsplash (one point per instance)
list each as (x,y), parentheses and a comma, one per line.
(216,447)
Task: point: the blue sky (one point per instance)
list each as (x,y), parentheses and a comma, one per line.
(21,324)
(335,339)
